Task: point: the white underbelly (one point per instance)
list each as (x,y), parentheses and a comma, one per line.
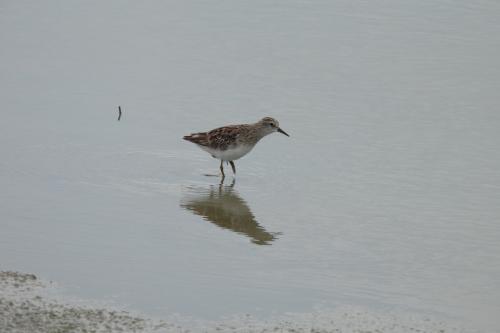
(230,154)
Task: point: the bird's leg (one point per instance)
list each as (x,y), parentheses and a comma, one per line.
(222,170)
(232,166)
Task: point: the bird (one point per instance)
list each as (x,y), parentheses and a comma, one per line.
(231,142)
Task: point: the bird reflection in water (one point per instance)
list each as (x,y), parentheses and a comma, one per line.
(223,206)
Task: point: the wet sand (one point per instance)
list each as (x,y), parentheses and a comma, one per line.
(26,306)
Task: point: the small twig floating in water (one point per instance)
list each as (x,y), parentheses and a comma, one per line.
(119,112)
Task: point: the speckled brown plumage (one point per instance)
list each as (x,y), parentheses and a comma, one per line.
(223,137)
(229,143)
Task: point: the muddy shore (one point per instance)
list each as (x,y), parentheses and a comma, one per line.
(26,306)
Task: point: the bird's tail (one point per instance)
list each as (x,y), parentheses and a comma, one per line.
(198,138)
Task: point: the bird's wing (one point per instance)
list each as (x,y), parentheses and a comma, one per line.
(222,137)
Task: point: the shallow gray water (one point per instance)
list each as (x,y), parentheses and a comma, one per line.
(385,196)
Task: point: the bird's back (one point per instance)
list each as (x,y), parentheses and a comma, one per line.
(220,138)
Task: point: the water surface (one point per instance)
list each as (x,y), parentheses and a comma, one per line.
(385,196)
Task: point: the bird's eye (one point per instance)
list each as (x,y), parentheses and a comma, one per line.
(272,125)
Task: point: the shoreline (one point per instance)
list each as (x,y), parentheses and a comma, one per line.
(26,307)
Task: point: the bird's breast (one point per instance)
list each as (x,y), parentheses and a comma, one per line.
(231,153)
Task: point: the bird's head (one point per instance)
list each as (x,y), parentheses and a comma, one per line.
(270,125)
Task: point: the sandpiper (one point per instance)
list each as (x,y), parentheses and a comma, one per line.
(229,143)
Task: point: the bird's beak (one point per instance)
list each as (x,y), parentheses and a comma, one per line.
(282,132)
